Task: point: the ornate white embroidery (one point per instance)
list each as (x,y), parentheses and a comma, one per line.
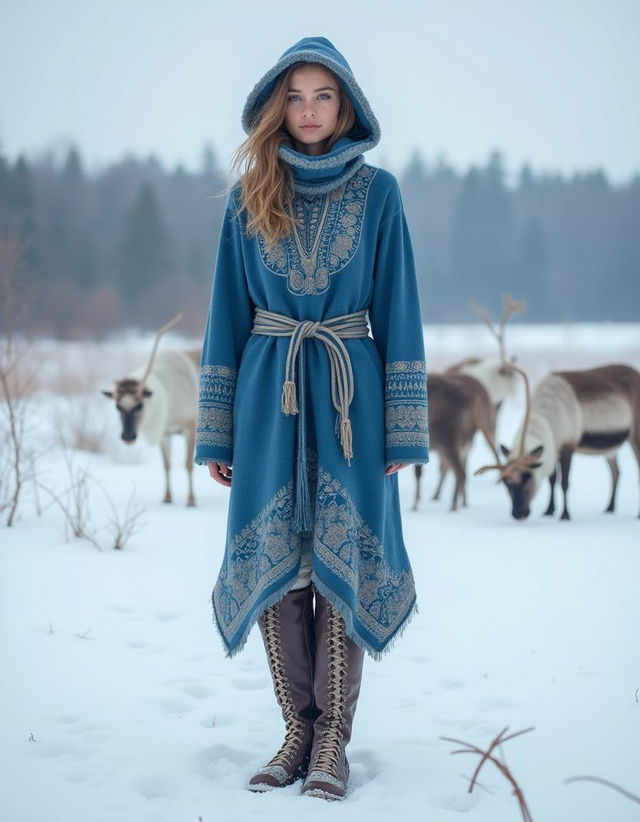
(406,418)
(215,406)
(267,549)
(325,238)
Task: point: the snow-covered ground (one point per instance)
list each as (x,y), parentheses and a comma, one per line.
(117,703)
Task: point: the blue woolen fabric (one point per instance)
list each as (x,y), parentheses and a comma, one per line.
(352,252)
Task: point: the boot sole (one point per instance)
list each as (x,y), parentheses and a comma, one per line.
(320,794)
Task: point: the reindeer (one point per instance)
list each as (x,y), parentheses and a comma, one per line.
(592,411)
(161,400)
(457,407)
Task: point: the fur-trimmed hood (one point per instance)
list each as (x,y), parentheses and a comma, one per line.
(316,175)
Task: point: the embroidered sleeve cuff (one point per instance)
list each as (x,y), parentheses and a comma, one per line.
(204,456)
(406,411)
(214,429)
(408,456)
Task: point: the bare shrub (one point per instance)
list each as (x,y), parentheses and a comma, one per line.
(124,524)
(606,782)
(489,756)
(77,427)
(74,501)
(17,378)
(76,505)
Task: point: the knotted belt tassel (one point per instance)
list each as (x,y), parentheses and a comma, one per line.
(289,403)
(346,438)
(330,332)
(302,505)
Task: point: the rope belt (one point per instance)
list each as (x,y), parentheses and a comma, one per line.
(331,332)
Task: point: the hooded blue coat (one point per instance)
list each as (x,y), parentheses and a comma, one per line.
(352,252)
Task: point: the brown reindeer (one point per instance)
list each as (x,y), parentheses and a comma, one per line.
(160,400)
(592,411)
(460,407)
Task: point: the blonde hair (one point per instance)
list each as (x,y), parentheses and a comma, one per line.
(267,183)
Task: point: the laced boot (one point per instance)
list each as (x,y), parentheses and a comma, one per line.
(338,672)
(288,633)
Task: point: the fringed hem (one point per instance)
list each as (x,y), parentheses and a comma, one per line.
(347,615)
(231,651)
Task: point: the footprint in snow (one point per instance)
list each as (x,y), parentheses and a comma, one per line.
(365,767)
(213,762)
(250,684)
(88,732)
(196,690)
(175,707)
(155,787)
(461,802)
(68,719)
(211,720)
(145,648)
(78,727)
(56,749)
(451,684)
(75,777)
(499,702)
(461,724)
(125,612)
(167,616)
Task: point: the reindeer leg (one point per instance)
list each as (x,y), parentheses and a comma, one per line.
(635,444)
(552,503)
(566,454)
(612,460)
(417,472)
(458,470)
(464,487)
(165,446)
(444,467)
(190,436)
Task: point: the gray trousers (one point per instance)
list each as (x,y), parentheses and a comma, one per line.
(304,575)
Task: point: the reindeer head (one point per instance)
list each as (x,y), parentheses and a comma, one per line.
(517,473)
(519,478)
(129,395)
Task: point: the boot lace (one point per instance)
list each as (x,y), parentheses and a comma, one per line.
(295,728)
(329,751)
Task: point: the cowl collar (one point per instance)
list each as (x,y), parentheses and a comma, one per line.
(324,172)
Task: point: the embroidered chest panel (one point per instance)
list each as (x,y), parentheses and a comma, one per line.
(325,238)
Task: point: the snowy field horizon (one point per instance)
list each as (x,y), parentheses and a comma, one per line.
(117,703)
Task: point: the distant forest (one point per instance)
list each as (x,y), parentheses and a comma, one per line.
(127,246)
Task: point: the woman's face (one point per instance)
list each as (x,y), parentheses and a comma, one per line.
(313,104)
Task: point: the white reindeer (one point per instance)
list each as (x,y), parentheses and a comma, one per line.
(592,411)
(160,400)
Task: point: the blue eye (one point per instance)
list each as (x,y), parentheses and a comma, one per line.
(297,96)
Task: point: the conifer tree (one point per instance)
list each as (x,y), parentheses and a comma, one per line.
(144,257)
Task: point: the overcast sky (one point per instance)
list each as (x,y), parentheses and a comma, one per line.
(552,82)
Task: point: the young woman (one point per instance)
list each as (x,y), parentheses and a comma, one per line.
(315,415)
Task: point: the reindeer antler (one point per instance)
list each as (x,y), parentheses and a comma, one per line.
(521,460)
(511,306)
(164,328)
(487,435)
